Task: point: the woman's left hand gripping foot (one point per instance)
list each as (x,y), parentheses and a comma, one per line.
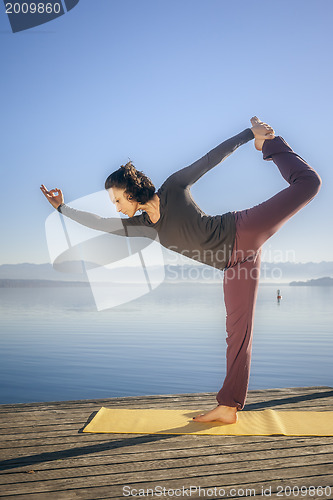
(225,414)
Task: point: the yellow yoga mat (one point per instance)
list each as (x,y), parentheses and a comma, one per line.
(250,423)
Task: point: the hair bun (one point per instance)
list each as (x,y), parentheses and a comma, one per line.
(134,181)
(129,170)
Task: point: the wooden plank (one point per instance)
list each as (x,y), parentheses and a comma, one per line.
(93,454)
(230,454)
(144,444)
(116,492)
(197,474)
(230,462)
(53,436)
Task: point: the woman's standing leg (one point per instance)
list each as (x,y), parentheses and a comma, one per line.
(240,286)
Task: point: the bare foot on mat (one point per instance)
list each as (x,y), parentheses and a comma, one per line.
(225,414)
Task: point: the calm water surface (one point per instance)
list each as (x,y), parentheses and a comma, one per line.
(55,345)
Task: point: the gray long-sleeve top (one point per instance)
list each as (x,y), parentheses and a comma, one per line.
(182,227)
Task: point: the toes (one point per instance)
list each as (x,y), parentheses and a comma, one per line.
(200,418)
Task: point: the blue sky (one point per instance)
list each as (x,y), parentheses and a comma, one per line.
(162,83)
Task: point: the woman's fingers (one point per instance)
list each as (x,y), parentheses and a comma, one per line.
(47,193)
(54,196)
(50,193)
(43,188)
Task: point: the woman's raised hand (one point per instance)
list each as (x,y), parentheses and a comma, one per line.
(52,197)
(261,132)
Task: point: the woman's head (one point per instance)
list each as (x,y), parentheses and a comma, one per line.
(129,188)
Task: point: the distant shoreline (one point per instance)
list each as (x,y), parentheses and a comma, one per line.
(15,283)
(72,273)
(40,283)
(326,281)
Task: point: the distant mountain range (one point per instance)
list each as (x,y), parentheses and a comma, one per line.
(271,273)
(319,282)
(13,283)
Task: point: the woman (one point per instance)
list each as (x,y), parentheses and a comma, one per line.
(231,241)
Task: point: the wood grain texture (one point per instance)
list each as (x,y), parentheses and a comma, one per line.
(45,455)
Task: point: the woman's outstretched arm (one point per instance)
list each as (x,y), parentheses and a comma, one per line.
(187,176)
(112,225)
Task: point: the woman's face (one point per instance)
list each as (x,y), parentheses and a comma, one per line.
(122,201)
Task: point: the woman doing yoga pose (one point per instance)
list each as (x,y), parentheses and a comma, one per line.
(231,242)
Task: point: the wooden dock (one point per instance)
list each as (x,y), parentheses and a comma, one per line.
(45,455)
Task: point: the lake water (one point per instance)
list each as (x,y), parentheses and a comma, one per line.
(56,346)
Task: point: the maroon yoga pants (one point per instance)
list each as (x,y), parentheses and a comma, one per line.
(241,277)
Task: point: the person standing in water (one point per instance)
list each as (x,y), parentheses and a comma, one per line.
(231,242)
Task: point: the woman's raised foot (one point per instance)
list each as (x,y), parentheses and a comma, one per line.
(261,132)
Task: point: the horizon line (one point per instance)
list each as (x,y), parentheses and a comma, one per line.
(175,264)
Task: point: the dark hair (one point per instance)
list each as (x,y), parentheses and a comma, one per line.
(136,183)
